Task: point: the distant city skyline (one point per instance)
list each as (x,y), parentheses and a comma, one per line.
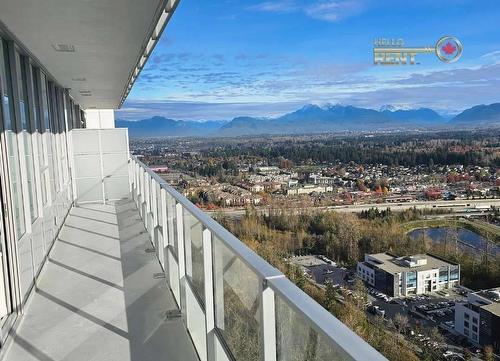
(227,58)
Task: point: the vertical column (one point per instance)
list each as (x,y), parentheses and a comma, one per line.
(101,162)
(209,294)
(268,326)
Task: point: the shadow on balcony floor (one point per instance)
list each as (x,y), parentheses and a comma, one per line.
(97,298)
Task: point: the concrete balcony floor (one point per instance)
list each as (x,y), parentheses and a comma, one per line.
(98,298)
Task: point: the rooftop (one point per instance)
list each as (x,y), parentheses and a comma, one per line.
(393,264)
(491,299)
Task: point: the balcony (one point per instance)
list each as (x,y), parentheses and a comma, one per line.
(153,277)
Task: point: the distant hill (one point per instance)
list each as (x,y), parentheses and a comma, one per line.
(160,126)
(315,119)
(480,115)
(312,118)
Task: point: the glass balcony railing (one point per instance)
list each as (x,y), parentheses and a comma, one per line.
(235,305)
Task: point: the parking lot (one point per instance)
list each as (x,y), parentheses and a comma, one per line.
(423,311)
(322,270)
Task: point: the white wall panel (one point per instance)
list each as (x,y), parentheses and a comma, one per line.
(38,244)
(26,275)
(100,161)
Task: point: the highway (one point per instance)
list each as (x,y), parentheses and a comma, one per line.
(457,207)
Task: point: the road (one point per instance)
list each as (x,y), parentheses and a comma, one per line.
(458,207)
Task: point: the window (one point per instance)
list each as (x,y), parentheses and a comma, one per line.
(443,274)
(38,117)
(466,332)
(11,137)
(454,271)
(48,169)
(474,320)
(466,316)
(474,328)
(26,128)
(466,324)
(48,135)
(411,279)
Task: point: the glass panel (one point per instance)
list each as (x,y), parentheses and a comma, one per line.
(12,147)
(237,303)
(193,234)
(296,341)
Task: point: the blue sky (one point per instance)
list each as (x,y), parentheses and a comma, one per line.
(220,59)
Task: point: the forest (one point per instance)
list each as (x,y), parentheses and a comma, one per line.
(393,150)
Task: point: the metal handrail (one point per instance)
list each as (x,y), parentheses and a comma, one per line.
(348,344)
(252,260)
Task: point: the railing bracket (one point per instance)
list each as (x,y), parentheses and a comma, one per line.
(149,250)
(171,314)
(158,275)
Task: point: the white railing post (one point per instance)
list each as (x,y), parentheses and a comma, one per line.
(164,227)
(268,314)
(179,218)
(153,210)
(142,172)
(209,294)
(136,182)
(147,181)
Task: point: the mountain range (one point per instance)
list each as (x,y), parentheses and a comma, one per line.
(312,118)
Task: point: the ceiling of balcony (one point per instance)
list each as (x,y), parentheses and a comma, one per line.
(89,46)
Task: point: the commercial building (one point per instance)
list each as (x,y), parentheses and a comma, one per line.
(100,258)
(403,276)
(308,189)
(479,318)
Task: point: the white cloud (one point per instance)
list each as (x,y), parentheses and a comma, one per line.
(333,10)
(492,54)
(275,6)
(327,10)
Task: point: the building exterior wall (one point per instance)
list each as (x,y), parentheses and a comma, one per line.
(100,118)
(366,273)
(408,282)
(489,329)
(36,115)
(467,322)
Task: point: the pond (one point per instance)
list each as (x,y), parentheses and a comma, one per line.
(467,239)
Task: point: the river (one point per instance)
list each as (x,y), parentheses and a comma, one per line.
(467,239)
